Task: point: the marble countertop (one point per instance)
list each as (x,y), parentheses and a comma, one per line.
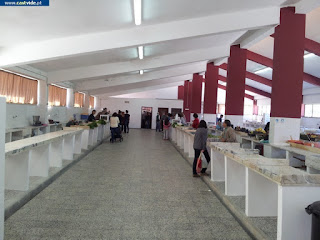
(277,170)
(313,161)
(25,144)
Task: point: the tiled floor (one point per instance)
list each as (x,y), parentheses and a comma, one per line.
(138,189)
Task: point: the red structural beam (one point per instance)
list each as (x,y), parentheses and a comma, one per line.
(269,63)
(251,76)
(249,88)
(310,46)
(255,57)
(246,95)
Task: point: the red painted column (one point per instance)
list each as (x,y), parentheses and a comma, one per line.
(287,78)
(186,102)
(236,81)
(180,92)
(211,89)
(196,93)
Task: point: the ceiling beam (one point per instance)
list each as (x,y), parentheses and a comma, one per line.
(249,88)
(137,36)
(104,70)
(306,6)
(137,90)
(268,62)
(252,76)
(252,38)
(245,95)
(183,70)
(312,46)
(129,86)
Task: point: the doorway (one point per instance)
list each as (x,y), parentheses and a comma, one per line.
(164,111)
(175,111)
(146,117)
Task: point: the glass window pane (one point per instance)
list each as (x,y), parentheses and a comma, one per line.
(308,110)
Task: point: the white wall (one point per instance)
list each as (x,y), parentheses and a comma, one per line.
(166,93)
(2,163)
(134,107)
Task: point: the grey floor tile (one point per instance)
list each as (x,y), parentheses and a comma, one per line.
(141,188)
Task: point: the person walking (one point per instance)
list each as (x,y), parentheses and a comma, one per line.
(158,127)
(162,119)
(200,147)
(228,135)
(122,121)
(166,126)
(126,121)
(195,122)
(114,125)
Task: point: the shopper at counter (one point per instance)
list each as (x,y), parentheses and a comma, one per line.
(91,117)
(114,125)
(195,122)
(182,119)
(200,146)
(229,134)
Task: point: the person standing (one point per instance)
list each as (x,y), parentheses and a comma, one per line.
(114,125)
(126,121)
(228,135)
(91,117)
(182,119)
(122,121)
(163,118)
(195,122)
(166,126)
(120,118)
(200,146)
(158,127)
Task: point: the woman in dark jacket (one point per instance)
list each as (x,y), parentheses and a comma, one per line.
(200,146)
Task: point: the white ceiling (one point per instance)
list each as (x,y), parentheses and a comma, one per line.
(76,19)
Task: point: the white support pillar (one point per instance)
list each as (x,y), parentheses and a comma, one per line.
(85,139)
(235,173)
(293,221)
(39,161)
(55,153)
(17,171)
(68,147)
(70,98)
(217,166)
(284,129)
(236,120)
(78,143)
(90,139)
(185,142)
(191,150)
(42,110)
(261,196)
(95,135)
(2,162)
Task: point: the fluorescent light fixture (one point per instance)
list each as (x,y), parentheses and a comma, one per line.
(141,72)
(263,70)
(140,51)
(309,55)
(137,11)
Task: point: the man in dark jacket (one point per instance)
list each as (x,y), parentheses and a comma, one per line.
(91,117)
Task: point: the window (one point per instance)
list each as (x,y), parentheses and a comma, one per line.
(316,110)
(221,108)
(248,110)
(91,102)
(264,109)
(78,99)
(57,96)
(18,89)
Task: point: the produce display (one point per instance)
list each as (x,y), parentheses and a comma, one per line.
(260,130)
(93,125)
(213,136)
(102,122)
